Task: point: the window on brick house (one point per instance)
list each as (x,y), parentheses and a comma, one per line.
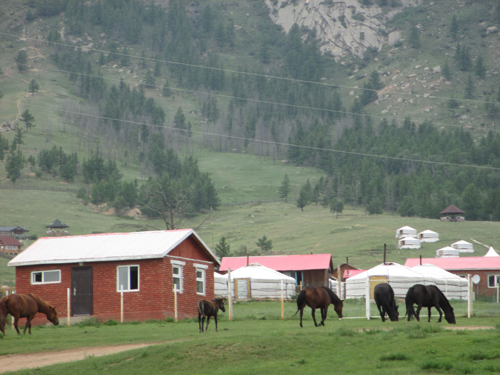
(493,281)
(127,278)
(46,277)
(177,275)
(200,278)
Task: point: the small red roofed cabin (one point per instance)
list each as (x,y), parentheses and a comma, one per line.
(95,268)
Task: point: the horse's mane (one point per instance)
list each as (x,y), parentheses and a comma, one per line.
(42,305)
(442,298)
(335,299)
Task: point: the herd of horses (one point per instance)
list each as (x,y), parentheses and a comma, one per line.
(28,305)
(420,295)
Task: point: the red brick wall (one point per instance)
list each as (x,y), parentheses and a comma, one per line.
(154,300)
(480,289)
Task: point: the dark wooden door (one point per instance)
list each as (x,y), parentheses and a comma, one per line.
(81,291)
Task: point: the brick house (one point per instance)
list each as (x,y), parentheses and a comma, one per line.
(306,269)
(95,268)
(486,267)
(9,245)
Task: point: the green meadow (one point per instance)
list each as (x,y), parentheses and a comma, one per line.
(258,342)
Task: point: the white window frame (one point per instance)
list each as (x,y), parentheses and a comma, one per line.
(180,265)
(33,282)
(203,269)
(497,280)
(129,278)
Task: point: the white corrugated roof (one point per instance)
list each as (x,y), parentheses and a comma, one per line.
(105,247)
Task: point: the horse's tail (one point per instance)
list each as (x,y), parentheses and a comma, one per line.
(301,301)
(200,308)
(410,310)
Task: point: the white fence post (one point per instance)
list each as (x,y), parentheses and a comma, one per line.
(175,302)
(121,303)
(469,296)
(68,305)
(282,307)
(229,294)
(367,305)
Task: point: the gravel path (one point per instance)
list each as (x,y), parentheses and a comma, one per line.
(17,362)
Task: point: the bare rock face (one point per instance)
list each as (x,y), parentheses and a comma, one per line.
(343,26)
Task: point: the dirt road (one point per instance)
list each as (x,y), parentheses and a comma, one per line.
(23,361)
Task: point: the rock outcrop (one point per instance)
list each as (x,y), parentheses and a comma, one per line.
(342,26)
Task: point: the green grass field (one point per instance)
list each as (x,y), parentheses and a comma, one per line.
(260,342)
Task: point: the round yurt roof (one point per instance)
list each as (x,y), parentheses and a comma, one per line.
(491,252)
(436,272)
(259,272)
(389,270)
(411,239)
(407,228)
(461,242)
(428,231)
(447,248)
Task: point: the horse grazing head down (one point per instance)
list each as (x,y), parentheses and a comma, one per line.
(338,304)
(52,315)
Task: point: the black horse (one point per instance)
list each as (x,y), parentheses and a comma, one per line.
(428,296)
(384,298)
(318,297)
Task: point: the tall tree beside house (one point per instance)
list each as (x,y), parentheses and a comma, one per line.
(285,188)
(222,249)
(28,119)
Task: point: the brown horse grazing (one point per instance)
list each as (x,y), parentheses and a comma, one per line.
(318,297)
(208,309)
(3,319)
(428,296)
(26,306)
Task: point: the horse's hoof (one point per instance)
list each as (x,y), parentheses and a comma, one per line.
(340,318)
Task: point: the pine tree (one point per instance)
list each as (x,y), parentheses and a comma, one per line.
(469,88)
(222,249)
(479,68)
(285,188)
(454,27)
(446,71)
(22,61)
(28,119)
(33,86)
(414,38)
(264,244)
(452,105)
(157,72)
(180,119)
(14,165)
(149,80)
(165,91)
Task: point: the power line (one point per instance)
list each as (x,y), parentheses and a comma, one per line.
(250,99)
(331,85)
(385,157)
